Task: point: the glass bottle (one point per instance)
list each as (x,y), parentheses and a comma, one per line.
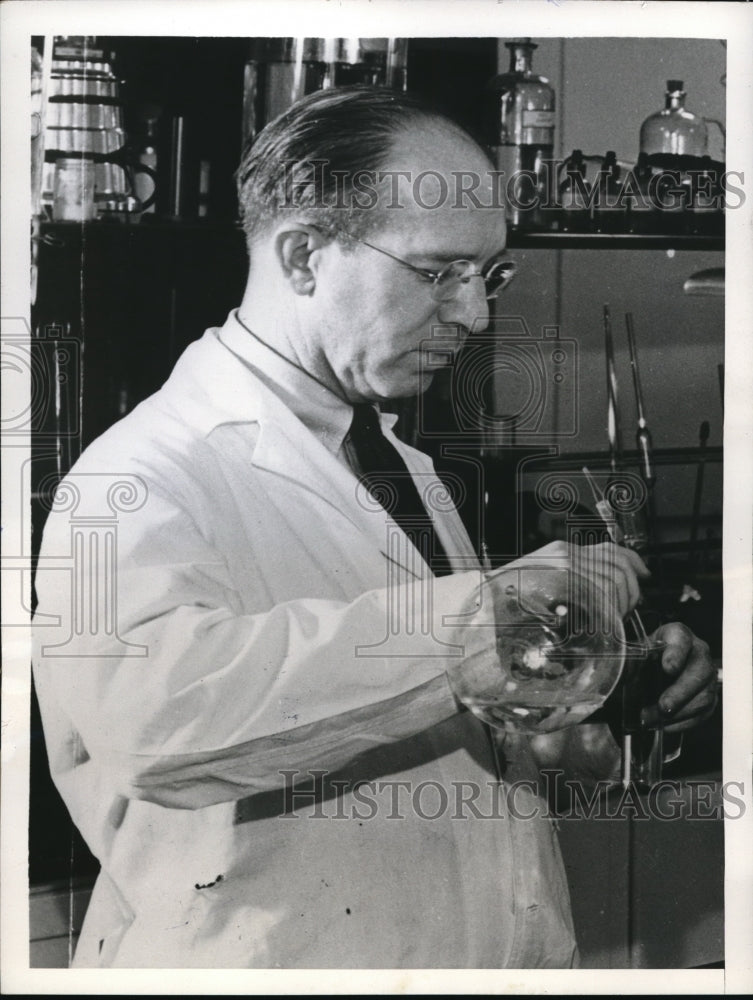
(524,137)
(641,211)
(707,213)
(144,183)
(673,129)
(573,196)
(608,213)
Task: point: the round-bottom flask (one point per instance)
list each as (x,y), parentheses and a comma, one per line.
(560,647)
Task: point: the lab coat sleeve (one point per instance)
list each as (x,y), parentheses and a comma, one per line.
(187,701)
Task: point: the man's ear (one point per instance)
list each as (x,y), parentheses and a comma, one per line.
(295,247)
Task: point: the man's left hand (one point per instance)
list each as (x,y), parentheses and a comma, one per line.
(691,696)
(588,752)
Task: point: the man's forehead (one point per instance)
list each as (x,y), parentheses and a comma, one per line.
(440,180)
(436,144)
(440,194)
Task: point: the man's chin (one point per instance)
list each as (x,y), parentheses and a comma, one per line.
(405,386)
(414,386)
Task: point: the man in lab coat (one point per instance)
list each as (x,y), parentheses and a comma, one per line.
(244,681)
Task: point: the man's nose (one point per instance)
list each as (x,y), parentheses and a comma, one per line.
(469,307)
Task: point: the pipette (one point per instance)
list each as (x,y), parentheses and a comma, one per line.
(617,535)
(643,435)
(613,419)
(608,516)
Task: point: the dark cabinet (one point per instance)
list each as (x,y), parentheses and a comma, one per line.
(132,297)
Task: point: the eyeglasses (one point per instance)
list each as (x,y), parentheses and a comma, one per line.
(497,274)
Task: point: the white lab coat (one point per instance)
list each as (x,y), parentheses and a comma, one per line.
(267,608)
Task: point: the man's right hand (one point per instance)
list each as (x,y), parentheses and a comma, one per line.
(614,570)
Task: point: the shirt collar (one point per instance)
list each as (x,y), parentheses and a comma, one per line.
(319,409)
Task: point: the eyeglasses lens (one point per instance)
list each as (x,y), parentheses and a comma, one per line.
(496,276)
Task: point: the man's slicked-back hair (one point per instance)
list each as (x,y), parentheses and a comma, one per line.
(319,157)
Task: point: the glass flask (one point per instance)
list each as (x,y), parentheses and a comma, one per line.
(560,647)
(673,129)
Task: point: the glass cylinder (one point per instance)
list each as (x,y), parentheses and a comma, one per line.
(73,196)
(37,136)
(84,118)
(642,684)
(281,71)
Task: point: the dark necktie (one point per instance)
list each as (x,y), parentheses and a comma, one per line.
(386,476)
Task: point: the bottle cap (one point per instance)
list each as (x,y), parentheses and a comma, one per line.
(673,86)
(519,43)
